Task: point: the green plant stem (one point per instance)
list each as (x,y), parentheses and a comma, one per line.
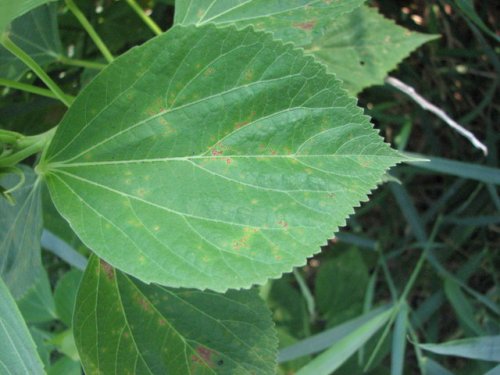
(27,146)
(90,30)
(8,136)
(80,63)
(37,69)
(32,89)
(147,20)
(402,299)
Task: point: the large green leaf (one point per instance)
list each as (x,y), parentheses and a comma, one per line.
(356,43)
(17,350)
(11,9)
(212,158)
(294,21)
(20,231)
(37,34)
(123,326)
(363,46)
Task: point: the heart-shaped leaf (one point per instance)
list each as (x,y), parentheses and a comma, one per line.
(296,21)
(363,46)
(212,158)
(123,326)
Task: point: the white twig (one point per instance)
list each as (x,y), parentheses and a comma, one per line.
(410,91)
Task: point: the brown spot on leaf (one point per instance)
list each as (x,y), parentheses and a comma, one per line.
(209,72)
(203,357)
(108,269)
(305,25)
(283,224)
(241,124)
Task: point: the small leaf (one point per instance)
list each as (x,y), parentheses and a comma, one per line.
(337,300)
(65,366)
(37,34)
(363,46)
(13,9)
(485,348)
(65,295)
(17,350)
(124,326)
(295,21)
(37,303)
(20,231)
(212,158)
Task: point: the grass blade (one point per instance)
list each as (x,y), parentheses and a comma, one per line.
(324,340)
(399,341)
(457,168)
(340,352)
(486,348)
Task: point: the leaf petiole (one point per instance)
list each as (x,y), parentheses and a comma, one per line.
(147,20)
(80,63)
(90,30)
(33,89)
(27,146)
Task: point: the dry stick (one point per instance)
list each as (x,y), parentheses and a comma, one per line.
(410,91)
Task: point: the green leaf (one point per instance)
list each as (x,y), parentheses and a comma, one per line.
(462,306)
(212,158)
(355,42)
(398,352)
(341,350)
(44,348)
(37,304)
(65,366)
(476,172)
(20,231)
(337,300)
(13,9)
(37,34)
(17,350)
(64,342)
(124,326)
(296,21)
(65,295)
(363,46)
(485,348)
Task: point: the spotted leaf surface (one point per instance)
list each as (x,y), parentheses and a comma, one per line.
(296,21)
(363,46)
(212,158)
(123,326)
